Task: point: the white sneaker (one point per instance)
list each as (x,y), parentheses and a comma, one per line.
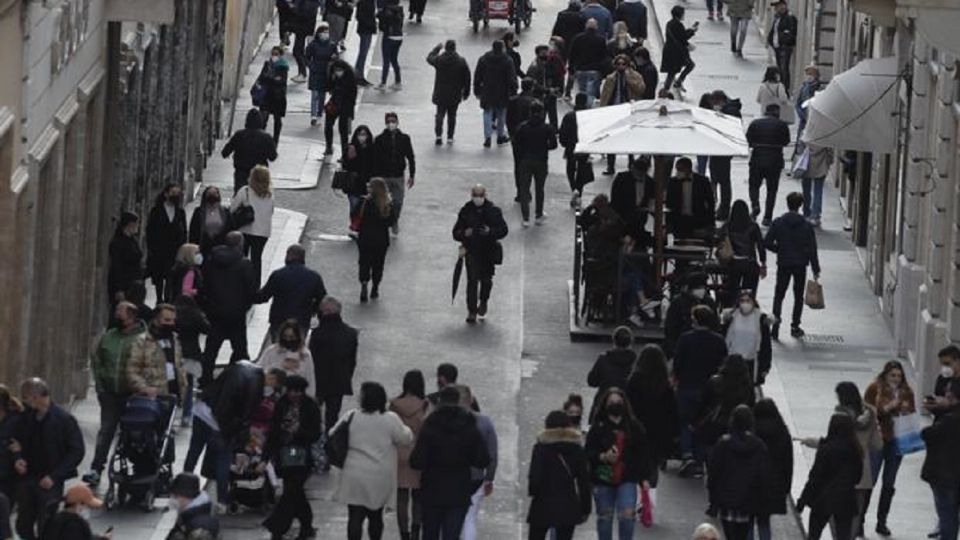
(636,320)
(541,219)
(396,86)
(299,78)
(449,140)
(526,224)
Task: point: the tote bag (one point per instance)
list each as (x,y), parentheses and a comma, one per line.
(813,298)
(906,433)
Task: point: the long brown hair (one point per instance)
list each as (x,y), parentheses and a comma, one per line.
(8,402)
(380,196)
(260,181)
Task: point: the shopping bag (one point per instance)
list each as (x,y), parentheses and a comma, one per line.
(646,507)
(801,165)
(814,295)
(906,433)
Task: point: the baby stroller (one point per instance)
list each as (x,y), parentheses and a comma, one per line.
(141,465)
(249,486)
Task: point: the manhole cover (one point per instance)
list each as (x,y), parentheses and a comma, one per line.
(721,76)
(823,338)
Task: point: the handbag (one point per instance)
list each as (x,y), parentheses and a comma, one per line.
(725,251)
(293,456)
(338,443)
(356,219)
(813,297)
(343,180)
(244,214)
(906,433)
(496,254)
(802,164)
(646,508)
(258,93)
(330,108)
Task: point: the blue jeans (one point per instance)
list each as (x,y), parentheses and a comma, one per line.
(702,162)
(218,454)
(946,499)
(621,499)
(317,97)
(390,50)
(813,202)
(587,83)
(444,522)
(890,462)
(688,405)
(763,528)
(360,64)
(501,115)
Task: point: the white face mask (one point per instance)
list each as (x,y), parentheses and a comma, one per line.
(323,35)
(362,138)
(84,513)
(746,307)
(268,391)
(338,73)
(810,78)
(478,201)
(392,126)
(173,504)
(198,259)
(946,372)
(699,293)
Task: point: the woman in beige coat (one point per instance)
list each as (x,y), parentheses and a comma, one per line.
(411,406)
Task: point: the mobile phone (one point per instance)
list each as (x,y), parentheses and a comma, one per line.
(109,530)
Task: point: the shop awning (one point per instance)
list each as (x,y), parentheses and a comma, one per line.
(857,110)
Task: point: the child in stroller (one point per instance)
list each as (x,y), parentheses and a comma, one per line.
(141,465)
(252,479)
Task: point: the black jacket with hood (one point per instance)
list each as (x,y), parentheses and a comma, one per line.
(251,146)
(229,286)
(794,241)
(739,477)
(832,482)
(612,368)
(941,466)
(452,82)
(448,445)
(559,479)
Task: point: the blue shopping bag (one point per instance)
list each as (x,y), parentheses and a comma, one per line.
(906,433)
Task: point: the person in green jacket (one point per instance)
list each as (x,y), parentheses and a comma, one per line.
(108,363)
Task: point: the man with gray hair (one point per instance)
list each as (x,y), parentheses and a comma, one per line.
(479,228)
(333,346)
(296,291)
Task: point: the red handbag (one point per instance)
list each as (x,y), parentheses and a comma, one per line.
(646,508)
(356,219)
(330,108)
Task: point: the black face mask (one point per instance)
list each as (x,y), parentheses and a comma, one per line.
(542,58)
(575,420)
(290,344)
(174,199)
(165,330)
(616,409)
(213,201)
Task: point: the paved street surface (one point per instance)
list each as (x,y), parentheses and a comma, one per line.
(520,363)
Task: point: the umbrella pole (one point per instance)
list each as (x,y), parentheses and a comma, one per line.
(659,234)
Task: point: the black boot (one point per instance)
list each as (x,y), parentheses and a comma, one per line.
(415,531)
(404,535)
(375,291)
(883,509)
(363,291)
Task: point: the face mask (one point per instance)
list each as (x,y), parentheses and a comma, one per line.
(615,409)
(85,513)
(174,199)
(166,330)
(809,78)
(746,307)
(392,126)
(274,58)
(699,293)
(946,372)
(362,138)
(575,420)
(478,201)
(213,200)
(338,73)
(323,36)
(198,259)
(290,344)
(267,391)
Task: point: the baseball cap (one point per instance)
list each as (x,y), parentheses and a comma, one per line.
(81,494)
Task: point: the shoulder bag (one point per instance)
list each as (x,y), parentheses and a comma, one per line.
(338,443)
(343,179)
(244,214)
(356,219)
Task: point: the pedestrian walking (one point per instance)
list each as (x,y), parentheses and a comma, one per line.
(940,466)
(890,394)
(740,13)
(481,478)
(510,44)
(949,358)
(573,407)
(369,477)
(479,229)
(296,427)
(126,257)
(693,292)
(579,169)
(620,460)
(767,137)
(814,177)
(296,290)
(654,403)
(648,71)
(451,85)
(185,278)
(191,322)
(720,165)
(830,488)
(390,23)
(772,92)
(411,406)
(154,366)
(71,522)
(258,195)
(749,262)
(593,9)
(518,112)
(449,444)
(273,77)
(360,162)
(305,22)
(318,56)
(676,50)
(494,81)
(107,367)
(547,72)
(534,140)
(782,37)
(558,481)
(209,222)
(772,430)
(286,13)
(612,368)
(166,232)
(747,332)
(727,389)
(377,213)
(623,85)
(229,290)
(333,344)
(589,59)
(394,153)
(290,353)
(250,146)
(48,448)
(634,14)
(808,88)
(195,519)
(793,240)
(739,479)
(338,13)
(447,375)
(416,10)
(715,10)
(568,24)
(621,42)
(341,106)
(366,29)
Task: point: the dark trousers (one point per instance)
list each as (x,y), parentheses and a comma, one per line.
(390,51)
(784,275)
(687,68)
(111,407)
(736,531)
(216,462)
(443,521)
(539,532)
(293,503)
(946,499)
(479,279)
(578,169)
(783,55)
(719,4)
(35,506)
(343,127)
(277,124)
(372,260)
(450,112)
(299,42)
(532,172)
(759,175)
(408,509)
(220,331)
(743,274)
(331,408)
(550,105)
(253,247)
(241,177)
(720,178)
(357,515)
(843,525)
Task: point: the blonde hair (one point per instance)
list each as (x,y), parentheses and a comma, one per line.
(706,531)
(380,196)
(187,253)
(260,180)
(620,27)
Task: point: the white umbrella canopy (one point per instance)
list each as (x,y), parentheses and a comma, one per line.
(856,111)
(659,127)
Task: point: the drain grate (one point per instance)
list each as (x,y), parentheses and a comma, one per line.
(833,339)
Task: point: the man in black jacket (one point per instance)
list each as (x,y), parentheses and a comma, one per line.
(394,151)
(941,469)
(794,241)
(251,146)
(296,291)
(588,58)
(783,38)
(230,285)
(333,346)
(366,28)
(47,450)
(547,74)
(494,81)
(450,86)
(579,170)
(767,137)
(690,201)
(534,140)
(448,445)
(518,112)
(631,195)
(568,25)
(479,229)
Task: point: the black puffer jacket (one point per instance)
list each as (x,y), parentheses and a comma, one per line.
(233,396)
(739,478)
(251,145)
(230,285)
(343,89)
(366,17)
(794,241)
(448,445)
(780,453)
(452,82)
(558,480)
(767,137)
(494,80)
